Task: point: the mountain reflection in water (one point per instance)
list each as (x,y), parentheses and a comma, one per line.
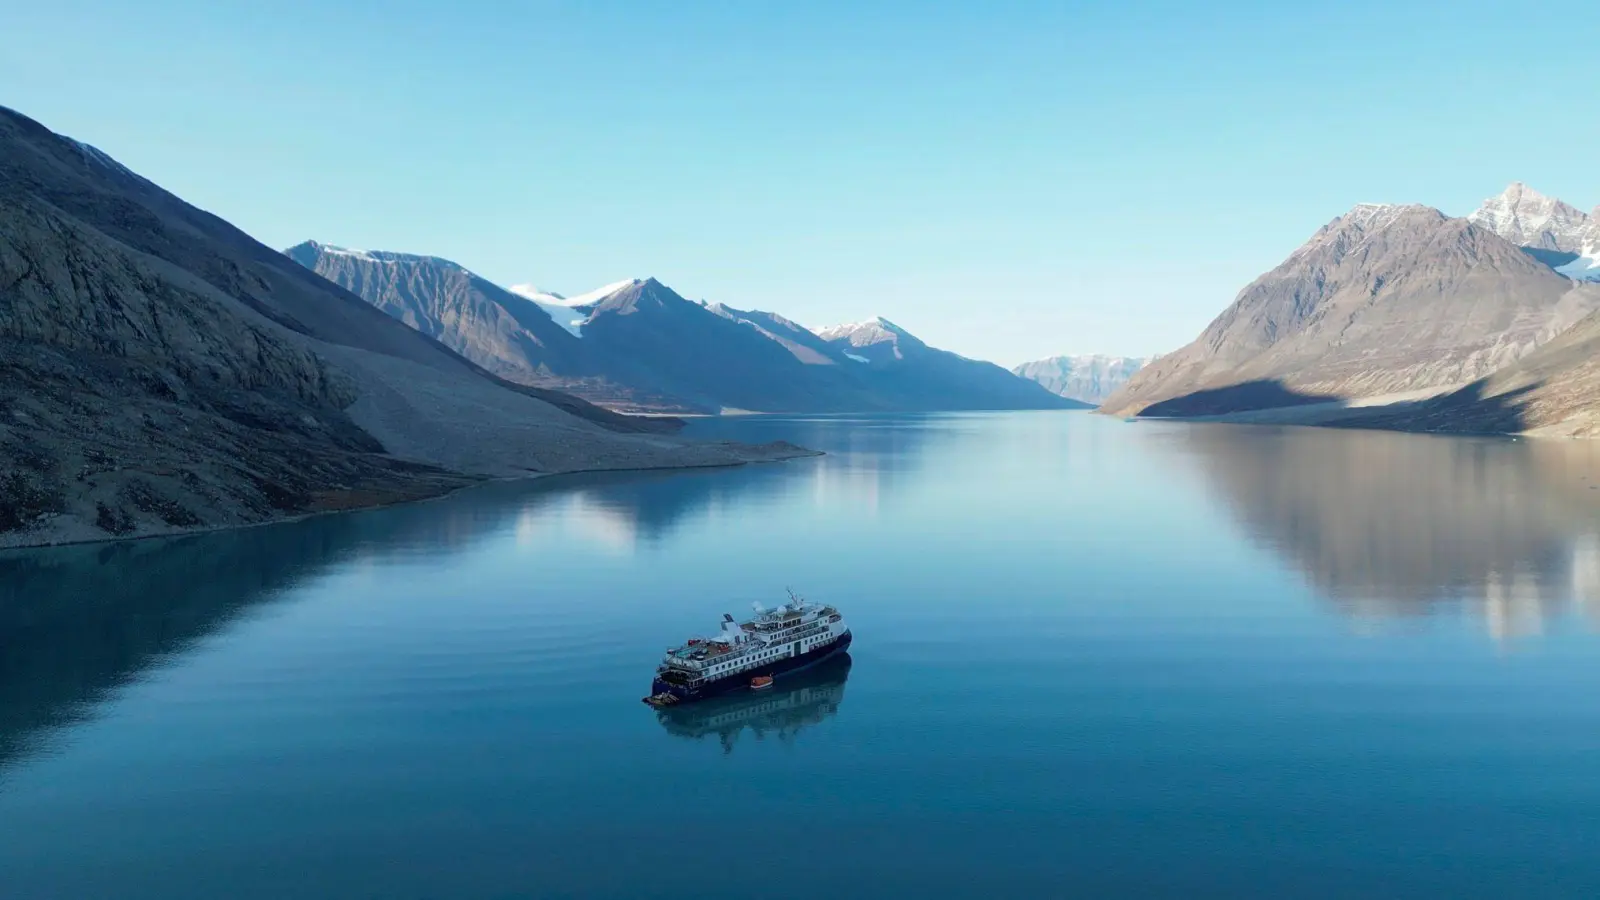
(1138,659)
(1390,526)
(783,711)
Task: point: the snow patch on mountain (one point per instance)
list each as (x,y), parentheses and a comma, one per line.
(571,313)
(551,298)
(1586,267)
(1374,215)
(1349,232)
(387,257)
(878,340)
(859,334)
(351,252)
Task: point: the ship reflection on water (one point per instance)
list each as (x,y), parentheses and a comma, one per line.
(782,711)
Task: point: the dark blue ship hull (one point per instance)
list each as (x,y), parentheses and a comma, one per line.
(741,681)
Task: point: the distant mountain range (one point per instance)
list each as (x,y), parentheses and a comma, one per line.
(164,372)
(637,345)
(1398,303)
(1087,379)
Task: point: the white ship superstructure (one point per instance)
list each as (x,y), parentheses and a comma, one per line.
(742,654)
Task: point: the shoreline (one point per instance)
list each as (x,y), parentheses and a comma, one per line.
(1252,419)
(8,549)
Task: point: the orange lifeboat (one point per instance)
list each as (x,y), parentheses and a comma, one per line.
(760,682)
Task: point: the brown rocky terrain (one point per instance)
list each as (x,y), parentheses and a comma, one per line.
(162,371)
(1554,391)
(1383,300)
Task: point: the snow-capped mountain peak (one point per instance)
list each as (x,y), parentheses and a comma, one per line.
(1356,227)
(1528,218)
(1367,214)
(874,340)
(871,331)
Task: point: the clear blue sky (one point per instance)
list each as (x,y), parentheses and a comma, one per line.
(1007,180)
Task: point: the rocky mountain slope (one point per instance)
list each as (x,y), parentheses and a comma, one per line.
(1087,379)
(1585,265)
(568,312)
(1547,229)
(712,359)
(446,302)
(1382,300)
(1555,391)
(505,333)
(804,344)
(162,371)
(639,345)
(1528,218)
(901,366)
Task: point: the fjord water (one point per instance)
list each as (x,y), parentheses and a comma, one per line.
(1092,658)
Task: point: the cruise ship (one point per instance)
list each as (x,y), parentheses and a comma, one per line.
(749,655)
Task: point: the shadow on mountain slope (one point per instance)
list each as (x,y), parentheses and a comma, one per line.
(1470,410)
(1551,258)
(1246,396)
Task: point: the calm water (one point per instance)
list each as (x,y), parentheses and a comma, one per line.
(1092,658)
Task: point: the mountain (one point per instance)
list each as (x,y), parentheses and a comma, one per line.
(918,376)
(639,345)
(511,335)
(501,332)
(1528,218)
(1555,390)
(1585,262)
(1382,300)
(1090,379)
(693,352)
(569,312)
(1547,229)
(163,371)
(876,340)
(798,340)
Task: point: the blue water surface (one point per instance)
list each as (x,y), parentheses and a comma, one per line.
(1093,658)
